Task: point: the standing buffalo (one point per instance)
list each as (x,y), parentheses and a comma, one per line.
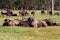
(23,13)
(33,13)
(42,11)
(57,13)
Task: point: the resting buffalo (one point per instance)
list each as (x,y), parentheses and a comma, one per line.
(27,22)
(42,24)
(8,22)
(8,13)
(15,22)
(36,23)
(30,22)
(50,22)
(24,23)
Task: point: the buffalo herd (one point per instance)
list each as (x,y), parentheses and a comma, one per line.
(10,13)
(27,22)
(30,22)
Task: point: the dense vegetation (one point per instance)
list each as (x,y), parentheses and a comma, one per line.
(28,4)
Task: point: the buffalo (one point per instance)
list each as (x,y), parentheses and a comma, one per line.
(36,23)
(33,13)
(7,13)
(50,22)
(30,22)
(26,22)
(23,13)
(42,11)
(8,22)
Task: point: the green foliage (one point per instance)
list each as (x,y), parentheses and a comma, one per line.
(19,4)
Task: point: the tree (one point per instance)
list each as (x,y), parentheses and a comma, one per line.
(17,4)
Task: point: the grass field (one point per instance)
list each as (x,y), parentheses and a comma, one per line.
(27,33)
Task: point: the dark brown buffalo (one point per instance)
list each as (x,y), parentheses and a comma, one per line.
(23,13)
(42,11)
(36,23)
(50,22)
(30,22)
(8,22)
(42,24)
(24,23)
(33,13)
(8,13)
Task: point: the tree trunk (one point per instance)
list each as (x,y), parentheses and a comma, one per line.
(52,9)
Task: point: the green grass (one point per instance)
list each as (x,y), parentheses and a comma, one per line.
(27,33)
